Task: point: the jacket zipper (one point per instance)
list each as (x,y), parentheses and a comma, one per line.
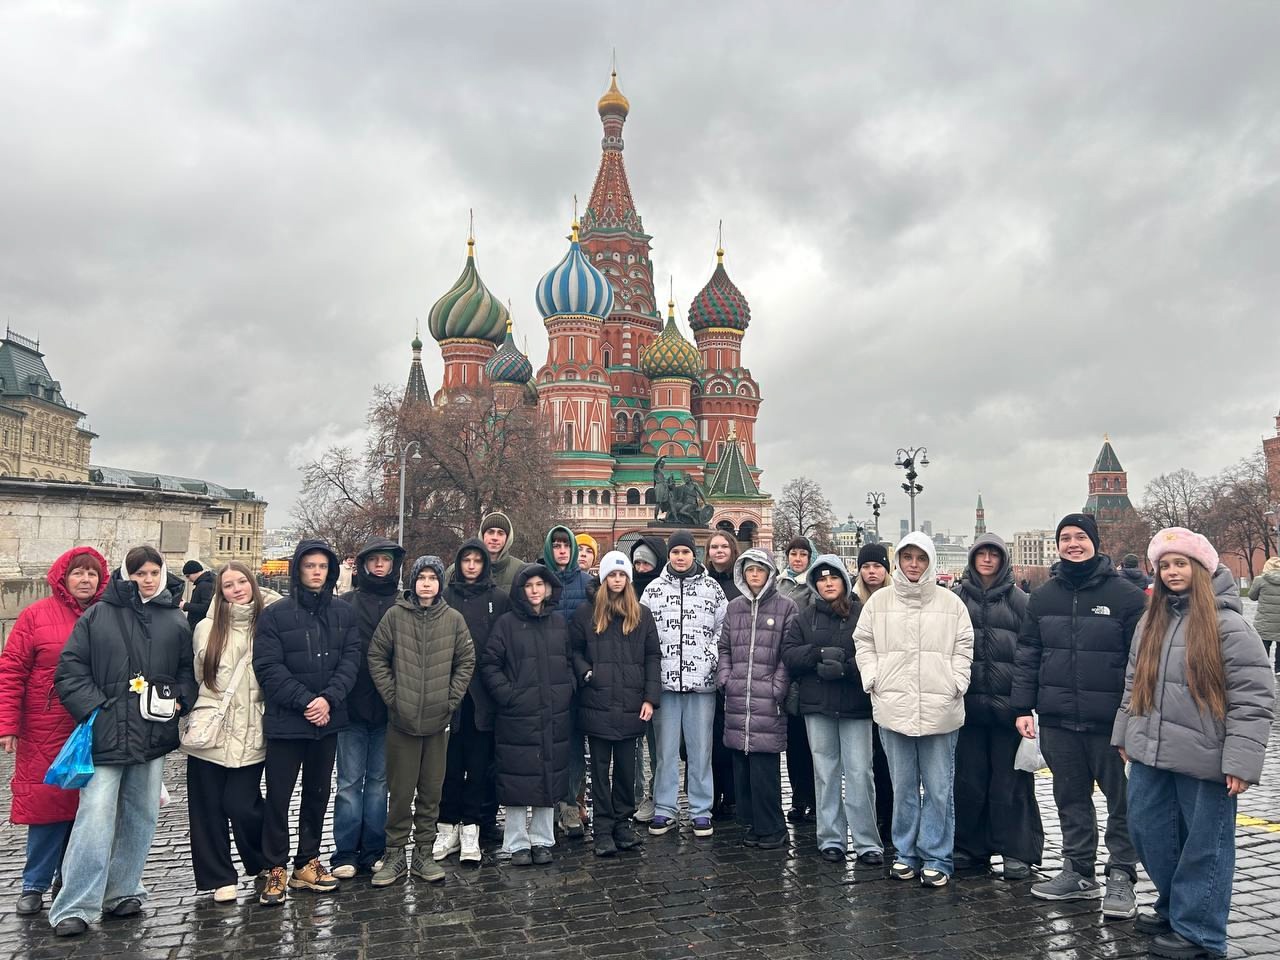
(751,659)
(1075,636)
(681,680)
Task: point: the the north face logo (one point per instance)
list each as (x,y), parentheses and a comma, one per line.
(1102,610)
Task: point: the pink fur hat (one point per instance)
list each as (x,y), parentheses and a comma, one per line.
(1183,541)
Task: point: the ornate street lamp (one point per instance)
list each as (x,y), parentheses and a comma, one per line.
(875,501)
(908,457)
(404,449)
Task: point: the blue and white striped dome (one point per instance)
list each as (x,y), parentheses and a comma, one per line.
(574,286)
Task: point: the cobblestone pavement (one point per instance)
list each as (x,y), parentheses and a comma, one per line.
(676,898)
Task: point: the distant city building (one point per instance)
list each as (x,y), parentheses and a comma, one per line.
(952,551)
(1108,487)
(42,436)
(926,527)
(849,538)
(1035,548)
(904,527)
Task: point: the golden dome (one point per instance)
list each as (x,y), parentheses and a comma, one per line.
(613,101)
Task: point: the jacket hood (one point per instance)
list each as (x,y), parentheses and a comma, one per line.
(1226,590)
(57,577)
(573,548)
(925,543)
(504,521)
(122,592)
(167,585)
(427,562)
(1003,573)
(757,556)
(835,563)
(657,545)
(788,574)
(367,581)
(1272,576)
(521,603)
(310,546)
(242,613)
(486,570)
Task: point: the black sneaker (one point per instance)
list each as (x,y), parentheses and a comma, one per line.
(833,855)
(1177,947)
(871,858)
(624,835)
(1151,923)
(70,927)
(541,856)
(128,907)
(29,902)
(773,842)
(521,858)
(606,846)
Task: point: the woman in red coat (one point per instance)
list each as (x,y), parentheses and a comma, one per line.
(32,720)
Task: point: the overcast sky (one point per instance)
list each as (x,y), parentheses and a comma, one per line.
(997,229)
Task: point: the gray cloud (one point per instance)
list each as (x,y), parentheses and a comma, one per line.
(999,230)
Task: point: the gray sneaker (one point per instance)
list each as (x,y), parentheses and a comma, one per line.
(645,812)
(425,866)
(571,820)
(395,866)
(1120,903)
(1068,885)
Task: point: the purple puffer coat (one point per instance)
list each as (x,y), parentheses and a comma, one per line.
(751,671)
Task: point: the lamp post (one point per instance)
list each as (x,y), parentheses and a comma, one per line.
(1273,514)
(875,501)
(907,460)
(404,449)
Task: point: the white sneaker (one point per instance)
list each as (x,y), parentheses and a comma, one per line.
(447,841)
(344,871)
(645,812)
(470,844)
(225,894)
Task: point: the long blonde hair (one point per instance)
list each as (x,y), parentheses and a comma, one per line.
(623,605)
(1206,678)
(220,615)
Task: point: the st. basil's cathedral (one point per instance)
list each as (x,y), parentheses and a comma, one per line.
(620,388)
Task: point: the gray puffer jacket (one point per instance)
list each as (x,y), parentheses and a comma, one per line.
(750,668)
(1180,737)
(1266,590)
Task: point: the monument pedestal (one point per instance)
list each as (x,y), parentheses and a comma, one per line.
(701,535)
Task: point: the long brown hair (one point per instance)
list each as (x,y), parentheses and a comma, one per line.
(623,605)
(1205,676)
(220,615)
(732,541)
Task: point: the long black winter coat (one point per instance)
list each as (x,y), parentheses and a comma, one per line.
(997,614)
(371,599)
(481,603)
(528,669)
(626,671)
(116,639)
(202,592)
(1074,647)
(815,627)
(306,646)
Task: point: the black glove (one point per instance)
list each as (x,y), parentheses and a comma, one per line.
(829,670)
(834,654)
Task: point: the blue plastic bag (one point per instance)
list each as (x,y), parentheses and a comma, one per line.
(72,768)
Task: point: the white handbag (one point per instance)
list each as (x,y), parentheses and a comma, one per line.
(203,726)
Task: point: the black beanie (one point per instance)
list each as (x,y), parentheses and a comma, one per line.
(799,543)
(192,566)
(1082,520)
(681,538)
(873,553)
(1130,560)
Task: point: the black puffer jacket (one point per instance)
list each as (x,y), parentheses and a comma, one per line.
(117,639)
(1074,646)
(481,603)
(306,646)
(659,548)
(731,591)
(371,599)
(818,626)
(996,612)
(528,669)
(201,598)
(626,671)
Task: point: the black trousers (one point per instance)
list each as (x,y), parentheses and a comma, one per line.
(284,759)
(996,809)
(613,782)
(1078,760)
(721,760)
(799,765)
(758,779)
(468,766)
(216,796)
(884,786)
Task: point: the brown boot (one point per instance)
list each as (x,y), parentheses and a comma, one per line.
(273,890)
(312,875)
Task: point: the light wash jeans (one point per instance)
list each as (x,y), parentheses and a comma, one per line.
(924,830)
(693,715)
(360,807)
(646,762)
(842,748)
(110,841)
(540,831)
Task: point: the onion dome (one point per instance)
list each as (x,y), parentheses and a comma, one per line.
(720,303)
(468,310)
(574,286)
(671,355)
(613,102)
(509,365)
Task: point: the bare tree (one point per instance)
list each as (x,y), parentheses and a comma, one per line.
(1237,520)
(1128,533)
(1177,499)
(804,511)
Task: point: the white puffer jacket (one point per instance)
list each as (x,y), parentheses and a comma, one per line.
(241,743)
(689,613)
(914,647)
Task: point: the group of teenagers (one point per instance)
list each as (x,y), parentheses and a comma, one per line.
(445,694)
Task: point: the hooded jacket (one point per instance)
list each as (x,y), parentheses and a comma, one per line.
(116,639)
(642,580)
(528,670)
(421,659)
(202,592)
(818,626)
(370,599)
(688,609)
(1073,646)
(750,668)
(481,603)
(578,586)
(996,612)
(505,567)
(796,585)
(1266,590)
(624,673)
(29,706)
(306,646)
(1135,576)
(241,743)
(1177,735)
(914,647)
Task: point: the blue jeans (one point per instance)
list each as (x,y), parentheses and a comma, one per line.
(843,748)
(692,715)
(45,843)
(923,829)
(110,841)
(360,808)
(1184,830)
(540,831)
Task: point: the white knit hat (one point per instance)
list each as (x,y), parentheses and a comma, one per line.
(612,562)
